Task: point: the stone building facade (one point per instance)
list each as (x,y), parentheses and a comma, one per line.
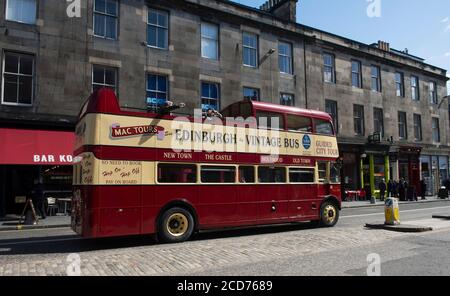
(208,53)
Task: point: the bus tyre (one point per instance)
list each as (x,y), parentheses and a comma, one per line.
(329,214)
(176,225)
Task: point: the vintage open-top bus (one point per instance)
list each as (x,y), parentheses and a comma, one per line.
(147,173)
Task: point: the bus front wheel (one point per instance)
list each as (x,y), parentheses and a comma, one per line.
(176,225)
(329,214)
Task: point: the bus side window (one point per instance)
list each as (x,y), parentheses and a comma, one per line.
(218,174)
(301,175)
(271,174)
(299,123)
(322,169)
(323,127)
(246,174)
(177,173)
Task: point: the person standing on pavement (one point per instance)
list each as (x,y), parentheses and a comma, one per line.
(382,188)
(423,189)
(39,198)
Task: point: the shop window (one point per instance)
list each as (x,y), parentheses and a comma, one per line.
(177,173)
(218,174)
(271,175)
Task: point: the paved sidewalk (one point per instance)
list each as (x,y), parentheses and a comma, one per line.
(11,222)
(361,204)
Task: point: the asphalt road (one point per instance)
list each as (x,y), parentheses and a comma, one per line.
(342,250)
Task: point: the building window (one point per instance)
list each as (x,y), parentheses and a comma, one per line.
(399,84)
(251,94)
(417,127)
(435,130)
(358,119)
(433,93)
(328,68)
(402,126)
(104,77)
(210,41)
(18,75)
(285,57)
(106,13)
(250,49)
(376,78)
(356,74)
(157,91)
(157,28)
(286,99)
(22,11)
(210,96)
(415,94)
(331,108)
(378,121)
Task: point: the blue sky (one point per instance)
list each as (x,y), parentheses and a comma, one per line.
(422,26)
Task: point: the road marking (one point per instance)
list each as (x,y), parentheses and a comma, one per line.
(405,211)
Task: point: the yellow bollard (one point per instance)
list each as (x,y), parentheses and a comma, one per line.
(391,211)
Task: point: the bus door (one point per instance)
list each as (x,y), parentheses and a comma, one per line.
(272,194)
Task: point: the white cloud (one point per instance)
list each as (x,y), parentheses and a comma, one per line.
(445,20)
(447,28)
(447,54)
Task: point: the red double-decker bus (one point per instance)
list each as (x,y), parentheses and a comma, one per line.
(146,173)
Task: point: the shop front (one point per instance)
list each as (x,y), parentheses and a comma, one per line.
(28,155)
(435,171)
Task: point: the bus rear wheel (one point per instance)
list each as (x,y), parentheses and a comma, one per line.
(329,214)
(176,225)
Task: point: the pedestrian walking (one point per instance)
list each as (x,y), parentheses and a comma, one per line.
(382,187)
(423,189)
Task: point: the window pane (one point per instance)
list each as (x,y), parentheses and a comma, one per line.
(99,25)
(287,100)
(270,120)
(110,76)
(299,123)
(21,11)
(151,82)
(210,31)
(301,175)
(271,175)
(162,38)
(205,90)
(152,17)
(26,65)
(177,173)
(25,89)
(11,63)
(251,94)
(322,168)
(246,174)
(209,48)
(162,83)
(214,91)
(110,27)
(151,38)
(100,5)
(111,7)
(218,174)
(10,88)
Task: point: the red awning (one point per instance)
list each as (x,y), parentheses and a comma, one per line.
(20,146)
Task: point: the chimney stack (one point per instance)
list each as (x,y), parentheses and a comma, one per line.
(384,46)
(284,9)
